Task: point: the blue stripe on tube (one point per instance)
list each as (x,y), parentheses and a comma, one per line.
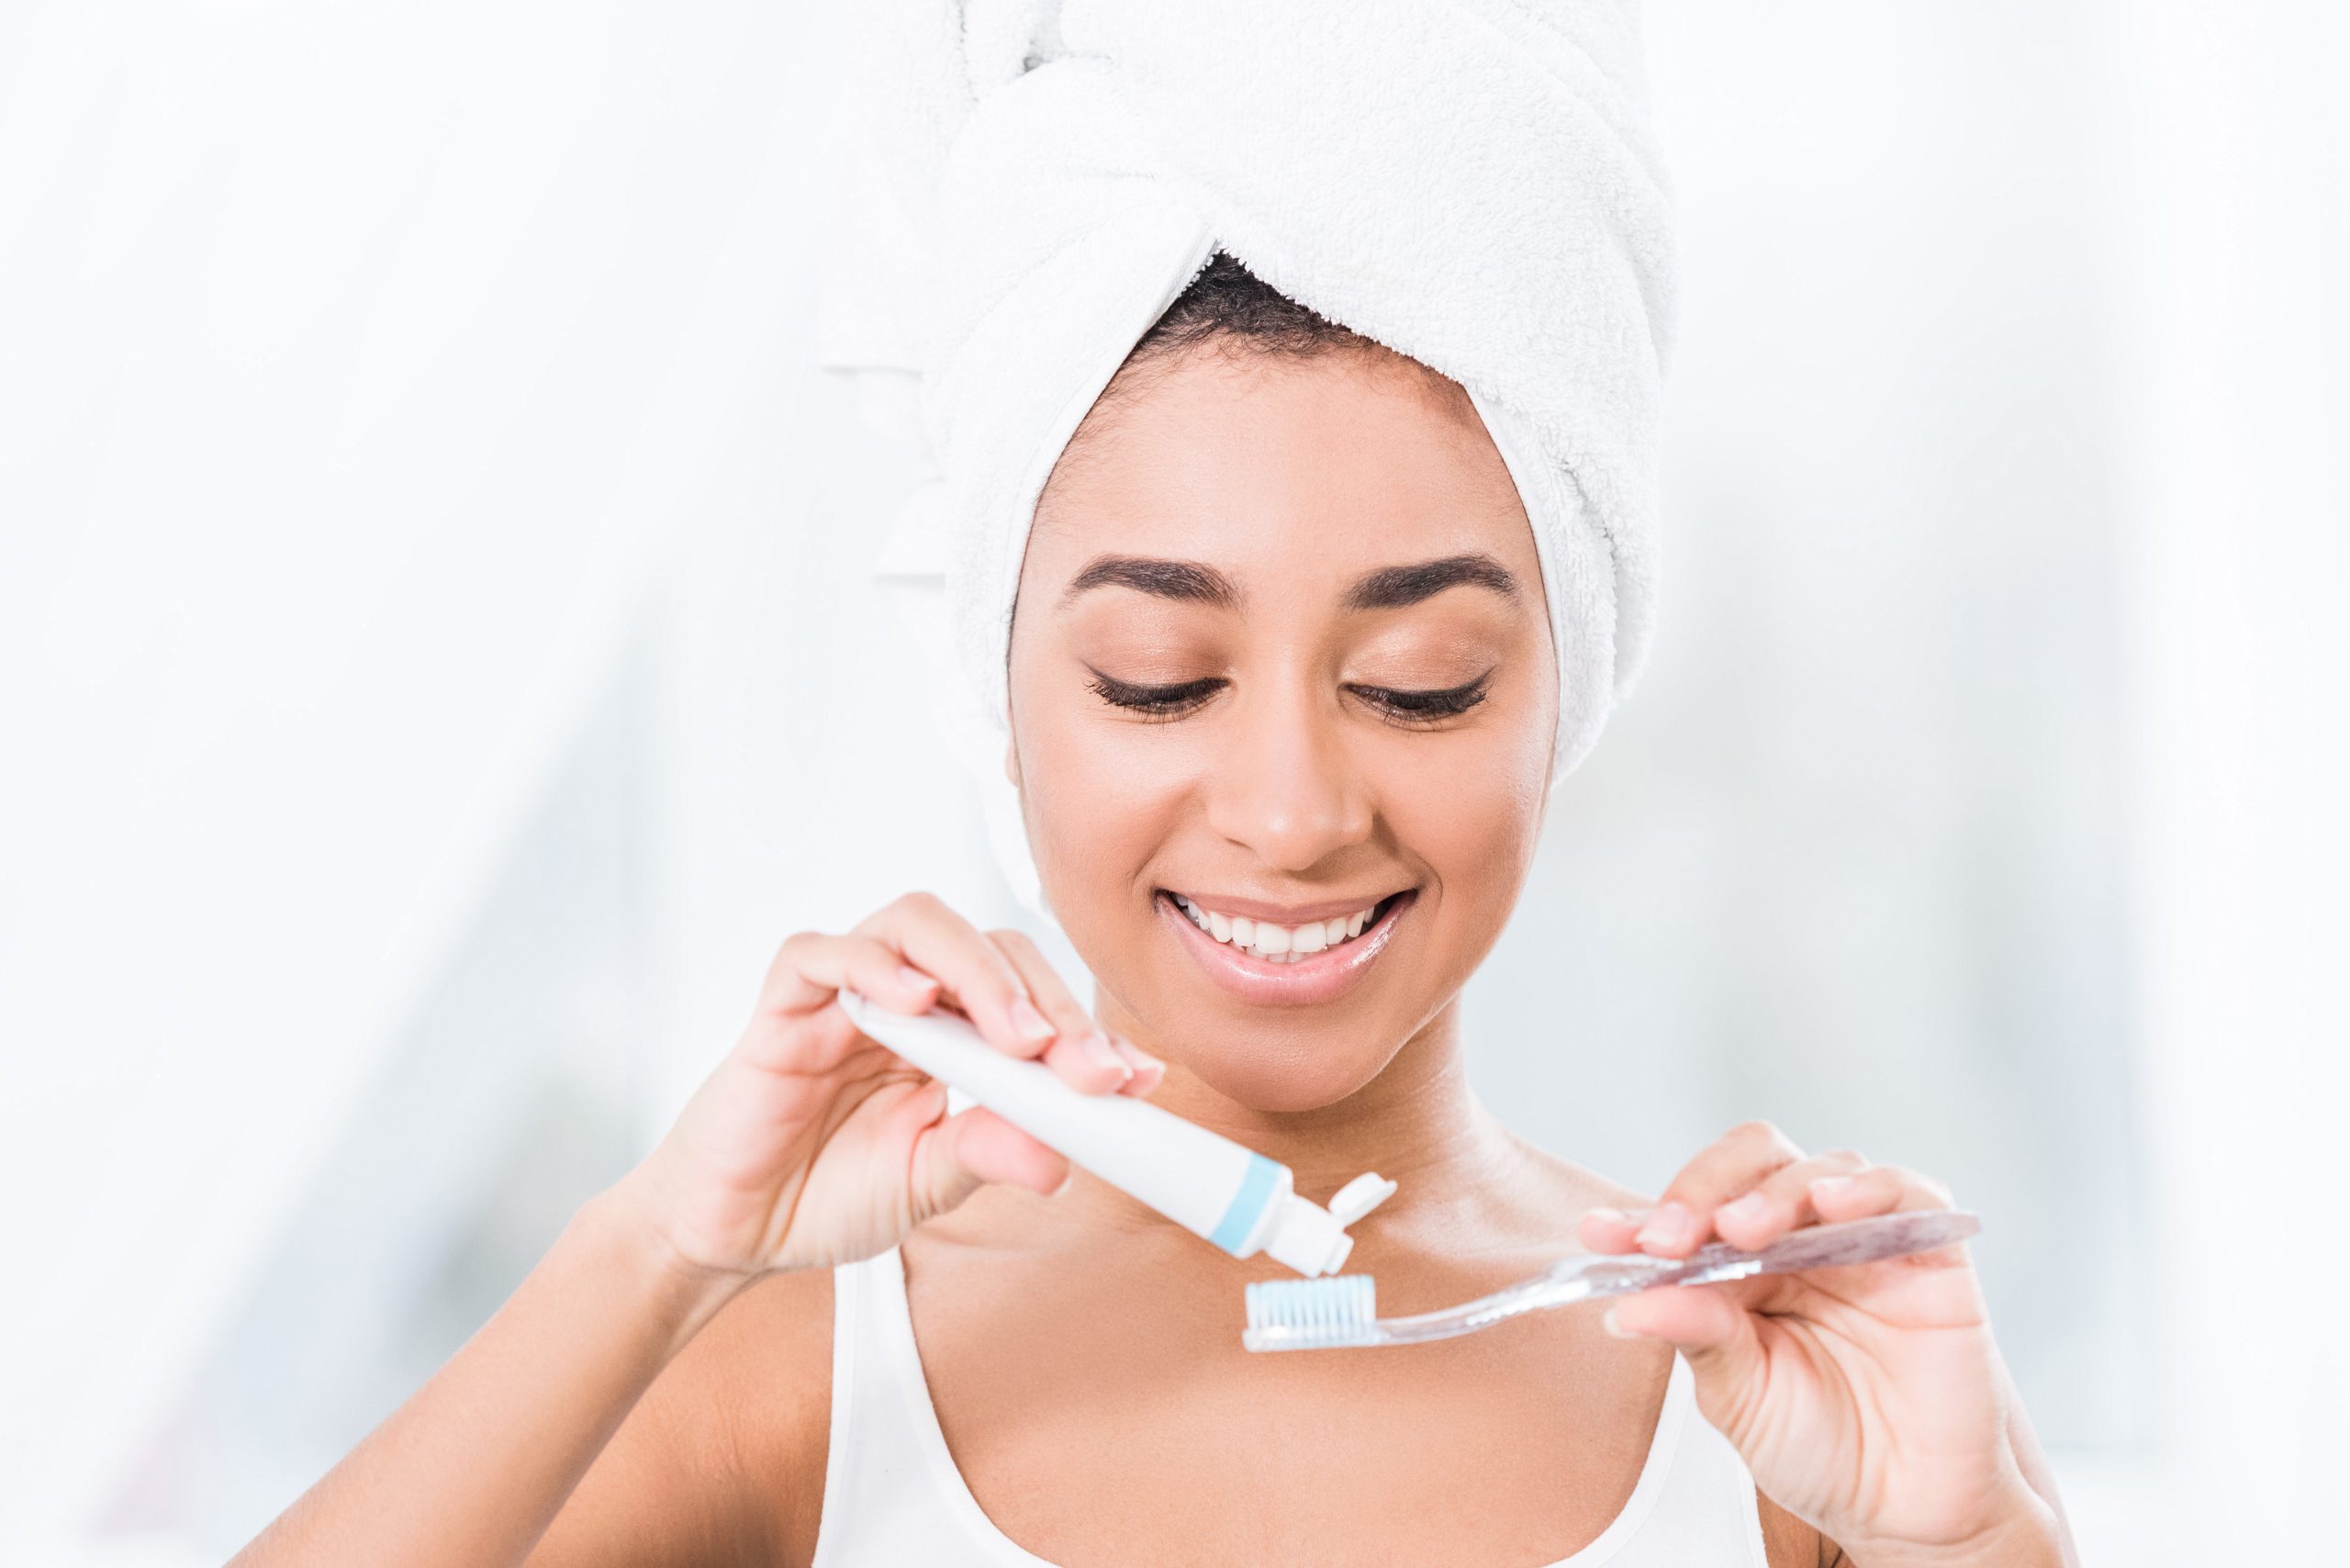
(1240,1219)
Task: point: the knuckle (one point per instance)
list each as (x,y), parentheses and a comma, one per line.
(992,982)
(1846,1158)
(1764,1142)
(793,957)
(921,901)
(1011,940)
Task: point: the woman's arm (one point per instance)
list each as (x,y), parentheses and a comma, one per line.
(722,1463)
(812,1145)
(474,1467)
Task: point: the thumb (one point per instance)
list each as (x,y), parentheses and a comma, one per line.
(1707,1326)
(974,1145)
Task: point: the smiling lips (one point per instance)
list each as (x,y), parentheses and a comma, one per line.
(1278,944)
(1237,951)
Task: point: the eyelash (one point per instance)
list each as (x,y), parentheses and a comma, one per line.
(1417,709)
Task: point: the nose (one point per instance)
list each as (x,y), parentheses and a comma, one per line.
(1287,787)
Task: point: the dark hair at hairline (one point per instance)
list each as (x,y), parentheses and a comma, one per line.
(1226,300)
(1227,308)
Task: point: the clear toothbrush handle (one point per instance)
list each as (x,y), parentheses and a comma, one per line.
(1814,1247)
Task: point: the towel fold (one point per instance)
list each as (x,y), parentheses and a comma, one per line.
(1470,183)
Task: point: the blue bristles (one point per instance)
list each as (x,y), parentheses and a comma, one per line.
(1310,1315)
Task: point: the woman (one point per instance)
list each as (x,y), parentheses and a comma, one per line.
(1280,653)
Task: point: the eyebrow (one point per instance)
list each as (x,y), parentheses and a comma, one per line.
(1388,588)
(1391,588)
(1191,580)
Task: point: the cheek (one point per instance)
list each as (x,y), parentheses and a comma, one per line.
(1472,816)
(1098,799)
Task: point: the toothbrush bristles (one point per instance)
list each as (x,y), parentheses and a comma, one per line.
(1310,1315)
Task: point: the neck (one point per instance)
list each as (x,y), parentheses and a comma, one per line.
(1416,1123)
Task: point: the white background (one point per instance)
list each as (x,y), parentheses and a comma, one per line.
(436,669)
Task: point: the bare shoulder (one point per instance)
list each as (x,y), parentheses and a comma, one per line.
(721,1461)
(1563,1190)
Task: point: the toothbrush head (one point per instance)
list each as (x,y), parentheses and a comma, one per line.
(1312,1315)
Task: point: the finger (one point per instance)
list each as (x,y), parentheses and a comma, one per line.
(1135,1071)
(1081,1052)
(1887,1189)
(1605,1229)
(812,966)
(1149,1070)
(955,1157)
(1088,1062)
(973,971)
(808,971)
(1734,1162)
(1878,1189)
(1712,1331)
(1781,1202)
(1044,983)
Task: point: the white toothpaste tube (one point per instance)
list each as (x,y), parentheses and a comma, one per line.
(1205,1182)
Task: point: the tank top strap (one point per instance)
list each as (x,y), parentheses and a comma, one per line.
(1705,1508)
(891,1490)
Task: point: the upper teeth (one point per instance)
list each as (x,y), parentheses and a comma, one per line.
(1280,944)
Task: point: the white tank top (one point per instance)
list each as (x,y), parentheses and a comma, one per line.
(892,1495)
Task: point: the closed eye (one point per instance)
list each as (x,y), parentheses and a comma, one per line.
(1414,708)
(1156,701)
(1424,707)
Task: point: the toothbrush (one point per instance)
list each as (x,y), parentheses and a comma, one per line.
(1217,1189)
(1314,1315)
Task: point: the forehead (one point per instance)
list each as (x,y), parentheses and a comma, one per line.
(1285,472)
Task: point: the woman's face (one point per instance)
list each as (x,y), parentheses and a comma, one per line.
(1280,648)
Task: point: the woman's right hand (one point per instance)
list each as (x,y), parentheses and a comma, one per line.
(814,1145)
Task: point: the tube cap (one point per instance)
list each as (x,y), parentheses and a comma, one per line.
(1314,1241)
(1308,1238)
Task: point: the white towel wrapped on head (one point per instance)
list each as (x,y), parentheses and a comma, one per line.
(1470,183)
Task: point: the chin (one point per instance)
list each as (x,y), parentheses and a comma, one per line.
(1282,1082)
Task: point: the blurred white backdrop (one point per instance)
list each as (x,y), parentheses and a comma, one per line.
(437,667)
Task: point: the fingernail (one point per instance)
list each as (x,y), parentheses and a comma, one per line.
(1748,1207)
(1143,1061)
(1665,1227)
(1031,1024)
(1607,1321)
(1104,1054)
(1832,1186)
(1065,1181)
(914,978)
(1606,1216)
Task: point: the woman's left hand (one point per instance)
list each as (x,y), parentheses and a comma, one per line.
(1868,1401)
